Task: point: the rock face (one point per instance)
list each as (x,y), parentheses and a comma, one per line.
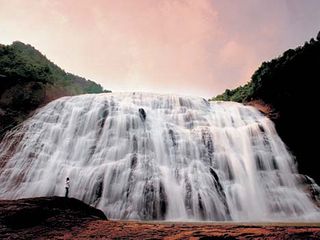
(143,114)
(264,108)
(294,125)
(32,217)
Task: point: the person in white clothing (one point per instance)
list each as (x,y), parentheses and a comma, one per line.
(67,187)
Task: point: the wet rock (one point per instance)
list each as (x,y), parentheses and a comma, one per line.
(274,164)
(154,207)
(142,114)
(208,143)
(27,218)
(220,190)
(98,189)
(133,164)
(259,163)
(173,138)
(149,211)
(216,178)
(261,128)
(103,116)
(134,161)
(134,144)
(201,207)
(188,197)
(163,201)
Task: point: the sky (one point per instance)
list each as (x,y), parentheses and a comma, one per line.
(189,47)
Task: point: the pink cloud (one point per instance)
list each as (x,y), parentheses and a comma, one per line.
(183,46)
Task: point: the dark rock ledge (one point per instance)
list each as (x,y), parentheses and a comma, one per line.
(33,218)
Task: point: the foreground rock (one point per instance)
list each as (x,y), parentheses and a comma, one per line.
(155,230)
(44,217)
(64,218)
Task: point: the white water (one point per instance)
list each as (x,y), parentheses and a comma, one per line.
(187,160)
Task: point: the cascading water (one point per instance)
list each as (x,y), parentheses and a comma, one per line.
(149,156)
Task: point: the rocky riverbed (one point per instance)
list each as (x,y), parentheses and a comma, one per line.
(62,218)
(157,230)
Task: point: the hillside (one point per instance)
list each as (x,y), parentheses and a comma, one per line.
(28,80)
(287,87)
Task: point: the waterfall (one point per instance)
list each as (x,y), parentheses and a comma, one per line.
(151,156)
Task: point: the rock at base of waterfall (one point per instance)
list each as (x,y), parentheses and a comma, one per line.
(29,217)
(69,218)
(142,113)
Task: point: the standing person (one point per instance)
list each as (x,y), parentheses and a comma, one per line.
(67,187)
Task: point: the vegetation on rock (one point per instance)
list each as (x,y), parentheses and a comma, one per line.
(280,80)
(28,79)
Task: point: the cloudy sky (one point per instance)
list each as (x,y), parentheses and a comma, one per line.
(191,47)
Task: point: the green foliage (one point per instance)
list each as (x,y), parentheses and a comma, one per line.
(280,81)
(15,64)
(26,76)
(93,88)
(23,62)
(240,94)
